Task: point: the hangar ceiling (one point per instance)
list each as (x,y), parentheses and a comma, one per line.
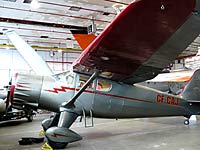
(46,24)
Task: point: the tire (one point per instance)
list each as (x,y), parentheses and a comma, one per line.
(186,122)
(57,145)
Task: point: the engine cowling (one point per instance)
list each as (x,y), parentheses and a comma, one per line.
(35,91)
(27,91)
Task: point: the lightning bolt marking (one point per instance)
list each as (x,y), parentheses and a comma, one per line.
(57,135)
(61,89)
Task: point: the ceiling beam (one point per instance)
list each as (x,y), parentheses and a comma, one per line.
(39,23)
(38,48)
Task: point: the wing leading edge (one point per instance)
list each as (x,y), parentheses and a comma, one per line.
(141,40)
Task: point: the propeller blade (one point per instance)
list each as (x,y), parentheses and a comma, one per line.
(8,97)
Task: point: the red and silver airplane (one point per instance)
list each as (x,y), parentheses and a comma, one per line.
(142,40)
(172,81)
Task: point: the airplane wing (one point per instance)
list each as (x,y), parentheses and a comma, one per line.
(142,40)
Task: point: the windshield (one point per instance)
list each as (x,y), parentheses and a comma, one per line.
(70,78)
(83,80)
(66,77)
(103,85)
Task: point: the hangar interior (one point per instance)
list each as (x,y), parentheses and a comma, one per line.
(46,25)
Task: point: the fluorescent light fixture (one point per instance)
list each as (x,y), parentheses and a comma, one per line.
(10,0)
(59,51)
(74,8)
(106,13)
(51,53)
(105,58)
(35,4)
(44,36)
(27,1)
(118,7)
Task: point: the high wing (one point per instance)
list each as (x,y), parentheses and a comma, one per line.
(142,40)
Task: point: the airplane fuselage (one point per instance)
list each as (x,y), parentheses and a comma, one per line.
(111,100)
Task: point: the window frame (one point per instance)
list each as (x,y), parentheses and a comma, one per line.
(110,85)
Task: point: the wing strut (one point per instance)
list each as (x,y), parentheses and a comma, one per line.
(70,103)
(67,117)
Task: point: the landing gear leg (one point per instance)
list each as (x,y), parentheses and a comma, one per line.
(30,118)
(29,115)
(187,121)
(61,135)
(51,122)
(58,137)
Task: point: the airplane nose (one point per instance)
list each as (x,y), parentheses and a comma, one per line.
(8,96)
(12,88)
(26,91)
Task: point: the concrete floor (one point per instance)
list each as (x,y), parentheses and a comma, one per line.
(126,134)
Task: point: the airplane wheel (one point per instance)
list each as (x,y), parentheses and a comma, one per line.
(57,145)
(186,122)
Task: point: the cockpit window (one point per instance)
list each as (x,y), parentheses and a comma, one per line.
(82,81)
(70,79)
(103,85)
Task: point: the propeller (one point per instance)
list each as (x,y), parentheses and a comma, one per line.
(10,90)
(8,95)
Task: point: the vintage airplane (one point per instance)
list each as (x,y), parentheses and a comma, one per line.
(142,40)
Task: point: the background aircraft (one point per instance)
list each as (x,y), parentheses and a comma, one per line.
(3,95)
(172,82)
(110,66)
(175,80)
(36,63)
(6,107)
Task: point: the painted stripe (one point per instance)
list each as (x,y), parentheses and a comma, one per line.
(64,89)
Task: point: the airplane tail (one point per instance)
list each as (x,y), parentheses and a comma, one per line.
(83,38)
(191,91)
